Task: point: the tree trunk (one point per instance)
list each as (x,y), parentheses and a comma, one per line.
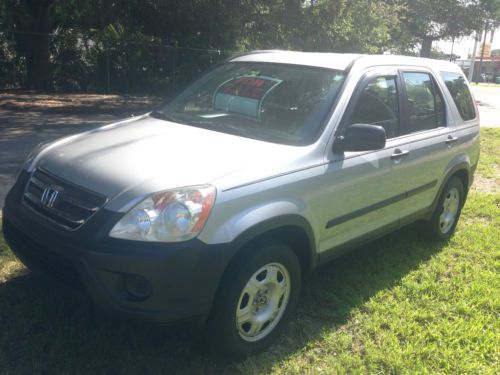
(38,65)
(292,23)
(39,75)
(425,51)
(482,53)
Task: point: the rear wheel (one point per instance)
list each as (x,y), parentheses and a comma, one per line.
(447,212)
(255,301)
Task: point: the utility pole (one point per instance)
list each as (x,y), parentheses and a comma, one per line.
(452,46)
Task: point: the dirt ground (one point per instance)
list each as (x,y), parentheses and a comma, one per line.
(28,118)
(24,112)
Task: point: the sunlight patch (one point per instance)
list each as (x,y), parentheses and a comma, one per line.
(10,269)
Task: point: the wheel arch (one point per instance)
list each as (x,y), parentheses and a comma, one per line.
(292,230)
(461,170)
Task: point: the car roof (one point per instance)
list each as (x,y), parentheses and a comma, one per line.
(338,61)
(342,61)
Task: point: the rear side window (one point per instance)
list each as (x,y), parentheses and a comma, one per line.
(425,103)
(460,93)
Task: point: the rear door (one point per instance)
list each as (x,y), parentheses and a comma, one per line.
(430,136)
(465,114)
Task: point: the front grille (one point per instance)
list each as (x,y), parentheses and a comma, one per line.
(64,203)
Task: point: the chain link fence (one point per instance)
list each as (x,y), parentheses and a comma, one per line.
(113,61)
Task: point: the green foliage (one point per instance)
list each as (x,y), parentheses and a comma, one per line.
(489,167)
(132,42)
(11,64)
(83,44)
(323,25)
(6,61)
(428,20)
(440,55)
(441,19)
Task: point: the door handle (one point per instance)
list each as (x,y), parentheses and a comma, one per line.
(450,140)
(398,154)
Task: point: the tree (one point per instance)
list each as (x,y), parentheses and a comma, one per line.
(424,21)
(438,54)
(140,43)
(430,20)
(321,25)
(32,24)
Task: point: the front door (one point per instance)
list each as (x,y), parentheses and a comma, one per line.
(363,191)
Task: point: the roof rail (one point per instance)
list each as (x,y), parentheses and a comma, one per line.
(255,52)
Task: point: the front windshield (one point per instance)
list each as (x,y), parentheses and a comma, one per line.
(272,102)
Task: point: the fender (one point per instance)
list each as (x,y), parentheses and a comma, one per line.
(276,223)
(463,165)
(257,221)
(459,162)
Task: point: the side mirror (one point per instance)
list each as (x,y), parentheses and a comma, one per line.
(364,137)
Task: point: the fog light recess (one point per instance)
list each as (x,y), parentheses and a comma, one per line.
(138,288)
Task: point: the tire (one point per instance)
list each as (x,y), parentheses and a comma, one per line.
(256,298)
(445,217)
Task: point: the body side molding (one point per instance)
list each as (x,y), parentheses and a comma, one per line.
(379,205)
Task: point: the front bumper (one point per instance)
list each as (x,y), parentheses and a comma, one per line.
(169,282)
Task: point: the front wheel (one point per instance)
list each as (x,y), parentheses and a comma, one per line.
(255,301)
(449,206)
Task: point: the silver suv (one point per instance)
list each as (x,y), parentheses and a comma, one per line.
(271,164)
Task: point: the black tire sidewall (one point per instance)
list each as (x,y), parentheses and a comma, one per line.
(434,228)
(221,329)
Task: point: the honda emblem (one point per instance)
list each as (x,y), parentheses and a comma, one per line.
(50,195)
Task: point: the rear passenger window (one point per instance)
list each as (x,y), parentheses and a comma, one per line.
(378,105)
(425,103)
(460,93)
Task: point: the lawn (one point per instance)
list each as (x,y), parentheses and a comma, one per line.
(398,305)
(491,84)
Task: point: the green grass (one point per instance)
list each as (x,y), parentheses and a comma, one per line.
(8,262)
(489,165)
(398,305)
(491,84)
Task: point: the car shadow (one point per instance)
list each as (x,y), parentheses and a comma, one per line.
(50,329)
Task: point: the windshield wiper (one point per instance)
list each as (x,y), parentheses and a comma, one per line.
(162,116)
(211,125)
(247,133)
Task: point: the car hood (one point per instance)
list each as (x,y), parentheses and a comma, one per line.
(136,157)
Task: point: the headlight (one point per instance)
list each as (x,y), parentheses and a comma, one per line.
(169,216)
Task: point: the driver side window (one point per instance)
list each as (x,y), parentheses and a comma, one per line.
(378,105)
